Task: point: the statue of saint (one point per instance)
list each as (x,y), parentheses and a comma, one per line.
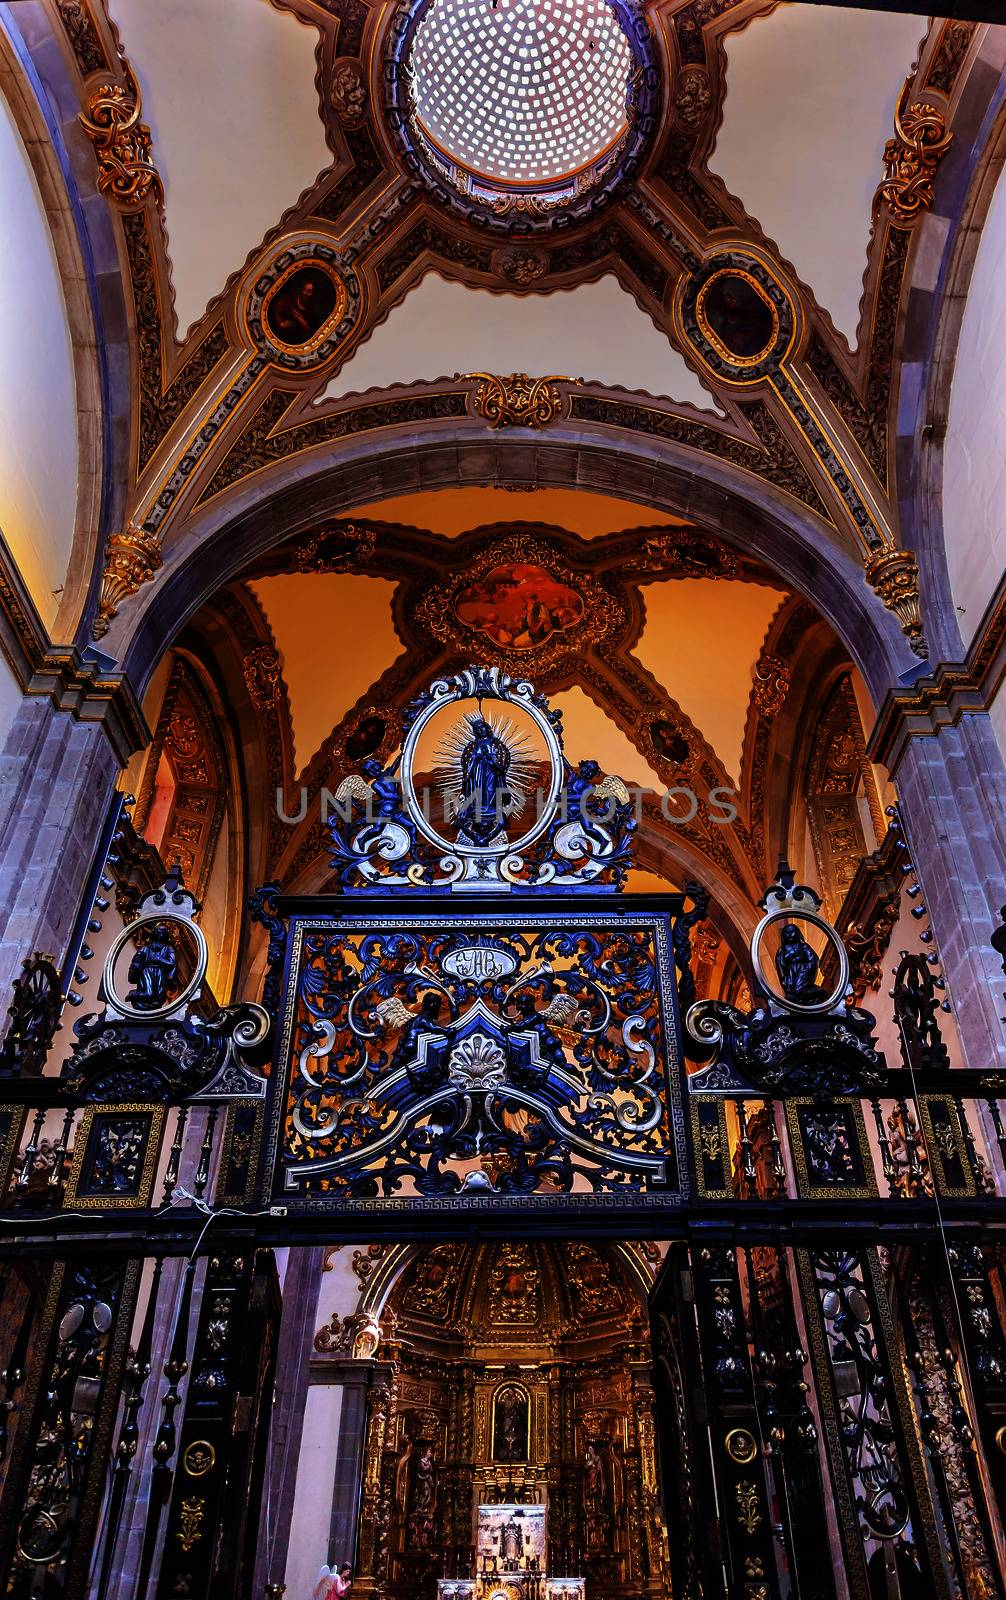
(511,1426)
(153,970)
(595,1497)
(485,798)
(797,966)
(424,1497)
(512,1546)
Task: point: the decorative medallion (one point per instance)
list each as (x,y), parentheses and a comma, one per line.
(263,674)
(738,317)
(518,601)
(348,92)
(339,548)
(302,306)
(516,115)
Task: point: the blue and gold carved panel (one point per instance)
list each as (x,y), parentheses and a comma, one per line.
(115,1157)
(831,1152)
(507,1059)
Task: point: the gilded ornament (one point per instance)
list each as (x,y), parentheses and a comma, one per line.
(748,1514)
(520,266)
(709,1140)
(894,576)
(693,97)
(121,142)
(336,549)
(921,140)
(740,1446)
(263,678)
(190,1520)
(517,401)
(348,93)
(132,559)
(199,1457)
(771,685)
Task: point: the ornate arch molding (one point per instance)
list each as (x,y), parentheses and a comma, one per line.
(725,501)
(938,279)
(39,86)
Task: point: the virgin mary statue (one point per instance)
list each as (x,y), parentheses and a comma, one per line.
(485,762)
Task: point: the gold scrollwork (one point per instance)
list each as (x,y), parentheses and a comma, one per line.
(121,142)
(894,576)
(190,1522)
(921,140)
(517,401)
(263,674)
(771,685)
(199,1458)
(748,1515)
(132,559)
(740,1446)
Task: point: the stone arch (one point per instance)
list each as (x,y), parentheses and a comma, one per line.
(43,96)
(942,263)
(743,510)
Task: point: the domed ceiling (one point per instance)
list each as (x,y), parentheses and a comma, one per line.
(513,1294)
(680,222)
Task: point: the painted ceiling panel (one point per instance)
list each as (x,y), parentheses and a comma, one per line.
(808,172)
(228,90)
(335,635)
(454,511)
(595,331)
(700,640)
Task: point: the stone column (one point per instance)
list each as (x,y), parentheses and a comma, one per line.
(301,1284)
(952,792)
(348,1481)
(57,780)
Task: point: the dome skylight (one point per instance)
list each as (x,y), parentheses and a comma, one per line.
(523,92)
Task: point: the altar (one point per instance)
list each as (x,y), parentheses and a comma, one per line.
(510,1560)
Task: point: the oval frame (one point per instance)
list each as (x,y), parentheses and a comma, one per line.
(455,695)
(798,914)
(191,989)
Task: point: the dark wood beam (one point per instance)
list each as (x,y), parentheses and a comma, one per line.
(961,10)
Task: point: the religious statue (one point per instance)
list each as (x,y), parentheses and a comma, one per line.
(424,1497)
(422,1046)
(595,1497)
(485,798)
(510,1426)
(512,1546)
(797,966)
(153,969)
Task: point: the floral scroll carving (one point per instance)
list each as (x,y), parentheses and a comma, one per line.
(921,140)
(518,401)
(121,142)
(133,557)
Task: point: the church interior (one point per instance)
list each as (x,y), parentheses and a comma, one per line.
(502,800)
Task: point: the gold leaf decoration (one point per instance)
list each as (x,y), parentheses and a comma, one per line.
(121,142)
(921,140)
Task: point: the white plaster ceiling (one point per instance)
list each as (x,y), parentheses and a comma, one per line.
(335,636)
(595,331)
(974,461)
(228,90)
(38,396)
(700,640)
(810,97)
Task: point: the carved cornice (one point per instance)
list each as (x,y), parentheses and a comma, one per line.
(61,673)
(951,691)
